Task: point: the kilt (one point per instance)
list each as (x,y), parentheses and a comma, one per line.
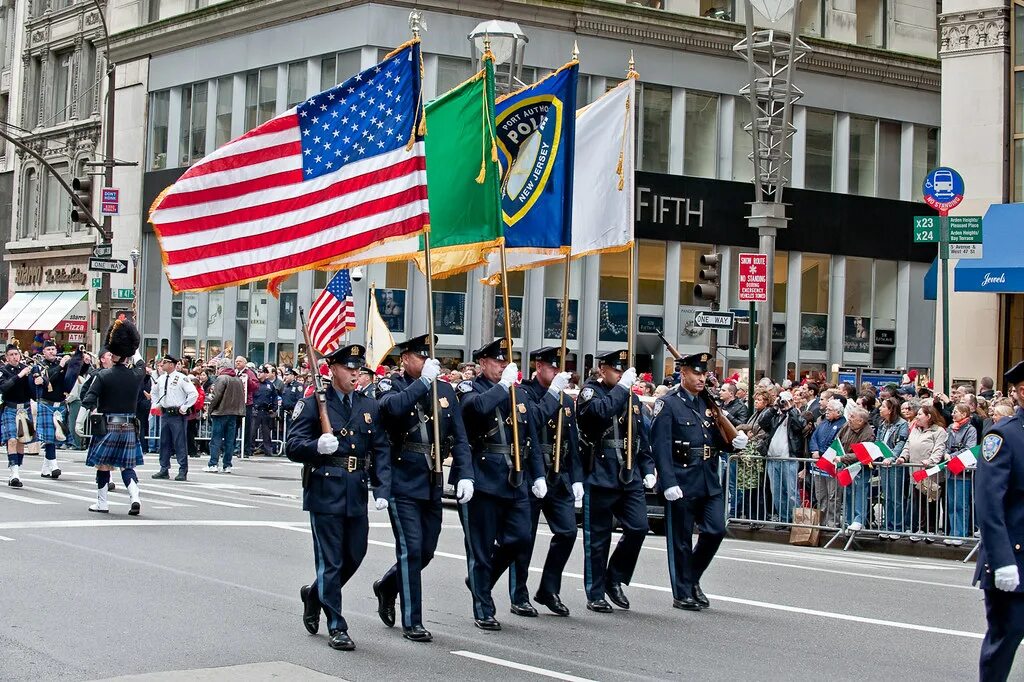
(118,448)
(9,423)
(45,431)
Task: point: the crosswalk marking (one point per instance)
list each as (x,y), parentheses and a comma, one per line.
(26,500)
(142,491)
(57,493)
(204,500)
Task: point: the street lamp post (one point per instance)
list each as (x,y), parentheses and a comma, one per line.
(771,56)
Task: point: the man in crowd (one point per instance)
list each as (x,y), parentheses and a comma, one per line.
(247,372)
(365,383)
(174,395)
(735,409)
(264,404)
(226,404)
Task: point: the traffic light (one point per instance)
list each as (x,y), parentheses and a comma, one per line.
(81,208)
(707,289)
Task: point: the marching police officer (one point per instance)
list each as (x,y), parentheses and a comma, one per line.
(564,491)
(414,496)
(496,520)
(687,446)
(999,506)
(612,489)
(335,486)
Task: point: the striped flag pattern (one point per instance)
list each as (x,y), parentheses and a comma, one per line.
(846,475)
(332,314)
(964,460)
(868,453)
(830,458)
(334,175)
(922,474)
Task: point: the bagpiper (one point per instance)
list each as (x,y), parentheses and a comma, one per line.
(16,425)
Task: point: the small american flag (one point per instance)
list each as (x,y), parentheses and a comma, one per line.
(340,172)
(333,313)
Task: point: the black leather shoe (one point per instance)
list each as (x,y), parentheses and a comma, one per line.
(599,606)
(55,474)
(110,487)
(525,609)
(310,609)
(553,602)
(686,604)
(182,476)
(417,633)
(700,597)
(341,641)
(617,596)
(487,623)
(15,483)
(386,608)
(162,474)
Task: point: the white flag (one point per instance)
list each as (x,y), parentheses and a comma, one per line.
(603,192)
(379,341)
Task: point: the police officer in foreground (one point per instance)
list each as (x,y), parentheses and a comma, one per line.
(564,491)
(497,519)
(999,507)
(334,486)
(414,496)
(688,446)
(612,490)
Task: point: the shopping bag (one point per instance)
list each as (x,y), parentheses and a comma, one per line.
(800,533)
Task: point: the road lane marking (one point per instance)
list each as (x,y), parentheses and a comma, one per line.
(4,538)
(116,522)
(26,500)
(204,500)
(520,666)
(889,578)
(84,498)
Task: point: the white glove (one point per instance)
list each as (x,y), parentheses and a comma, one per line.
(509,375)
(577,494)
(80,421)
(540,488)
(1007,578)
(628,379)
(381,503)
(327,444)
(740,441)
(560,382)
(674,493)
(431,370)
(649,481)
(464,491)
(183,410)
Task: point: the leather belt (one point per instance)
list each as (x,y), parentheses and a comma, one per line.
(496,449)
(703,453)
(51,403)
(421,448)
(617,444)
(119,419)
(18,406)
(172,411)
(350,464)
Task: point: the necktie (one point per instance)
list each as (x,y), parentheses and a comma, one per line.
(346,407)
(163,398)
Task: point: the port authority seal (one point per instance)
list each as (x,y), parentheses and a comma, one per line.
(528,134)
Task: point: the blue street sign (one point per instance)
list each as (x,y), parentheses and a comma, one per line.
(943,189)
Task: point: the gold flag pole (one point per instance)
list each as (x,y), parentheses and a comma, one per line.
(556,463)
(515,477)
(627,474)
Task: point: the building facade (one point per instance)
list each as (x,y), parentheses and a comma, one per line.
(848,285)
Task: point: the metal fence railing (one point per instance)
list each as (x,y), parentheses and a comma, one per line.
(883,501)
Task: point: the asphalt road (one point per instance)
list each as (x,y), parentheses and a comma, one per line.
(208,576)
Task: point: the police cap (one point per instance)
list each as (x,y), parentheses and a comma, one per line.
(353,356)
(419,345)
(169,358)
(617,359)
(1015,374)
(497,349)
(551,355)
(698,362)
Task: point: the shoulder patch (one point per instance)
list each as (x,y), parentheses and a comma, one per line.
(298,409)
(384,385)
(586,394)
(659,404)
(465,386)
(990,446)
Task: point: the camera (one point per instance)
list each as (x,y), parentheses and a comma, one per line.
(356,274)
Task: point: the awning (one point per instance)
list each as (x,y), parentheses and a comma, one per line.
(1001,269)
(38,311)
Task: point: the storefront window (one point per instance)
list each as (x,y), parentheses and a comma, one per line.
(857,306)
(926,155)
(296,83)
(651,273)
(225,95)
(657,103)
(820,146)
(450,304)
(862,155)
(689,266)
(700,142)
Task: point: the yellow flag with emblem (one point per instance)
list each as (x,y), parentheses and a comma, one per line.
(379,341)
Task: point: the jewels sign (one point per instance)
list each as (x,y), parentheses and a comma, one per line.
(753,285)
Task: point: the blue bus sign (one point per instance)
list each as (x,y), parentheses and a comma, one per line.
(943,189)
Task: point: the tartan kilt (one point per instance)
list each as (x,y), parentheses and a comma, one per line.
(9,423)
(118,448)
(45,431)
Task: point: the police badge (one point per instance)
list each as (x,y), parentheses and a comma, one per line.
(442,401)
(586,394)
(298,409)
(990,446)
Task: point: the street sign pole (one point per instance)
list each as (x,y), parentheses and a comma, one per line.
(752,356)
(943,190)
(944,257)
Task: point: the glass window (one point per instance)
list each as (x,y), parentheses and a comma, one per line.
(814,279)
(62,63)
(88,86)
(260,96)
(328,72)
(225,95)
(614,274)
(296,83)
(1018,35)
(871,23)
(337,68)
(819,127)
(926,155)
(57,218)
(451,71)
(657,103)
(193,122)
(286,310)
(27,226)
(160,112)
(781,281)
(862,156)
(651,281)
(689,266)
(886,290)
(718,9)
(1018,170)
(742,142)
(811,18)
(889,140)
(858,286)
(700,153)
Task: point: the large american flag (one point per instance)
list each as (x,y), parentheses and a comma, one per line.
(332,314)
(323,180)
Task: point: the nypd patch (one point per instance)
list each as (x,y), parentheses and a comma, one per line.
(658,406)
(465,386)
(298,409)
(586,394)
(990,446)
(384,385)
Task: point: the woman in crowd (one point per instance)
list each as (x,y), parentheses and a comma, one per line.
(960,436)
(857,430)
(893,430)
(926,447)
(745,471)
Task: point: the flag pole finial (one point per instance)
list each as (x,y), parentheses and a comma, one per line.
(416,23)
(575,51)
(631,69)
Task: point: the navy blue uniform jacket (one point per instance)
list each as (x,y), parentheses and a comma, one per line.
(601,415)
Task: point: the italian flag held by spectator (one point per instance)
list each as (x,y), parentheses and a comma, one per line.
(828,460)
(922,474)
(872,452)
(963,460)
(846,476)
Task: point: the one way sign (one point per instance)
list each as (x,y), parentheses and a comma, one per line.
(103,265)
(712,319)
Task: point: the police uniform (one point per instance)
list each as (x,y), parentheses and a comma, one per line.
(114,393)
(370,389)
(291,393)
(335,491)
(558,505)
(16,419)
(999,508)
(264,405)
(414,494)
(687,448)
(171,393)
(611,489)
(496,521)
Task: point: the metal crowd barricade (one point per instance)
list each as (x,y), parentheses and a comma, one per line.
(885,500)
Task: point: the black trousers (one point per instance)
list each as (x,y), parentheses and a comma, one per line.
(601,506)
(173,441)
(560,514)
(417,526)
(265,428)
(497,529)
(339,545)
(1004,612)
(686,562)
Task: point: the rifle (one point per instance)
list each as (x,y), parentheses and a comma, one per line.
(321,390)
(725,427)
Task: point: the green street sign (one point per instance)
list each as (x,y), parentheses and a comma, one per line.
(123,294)
(926,229)
(97,282)
(965,229)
